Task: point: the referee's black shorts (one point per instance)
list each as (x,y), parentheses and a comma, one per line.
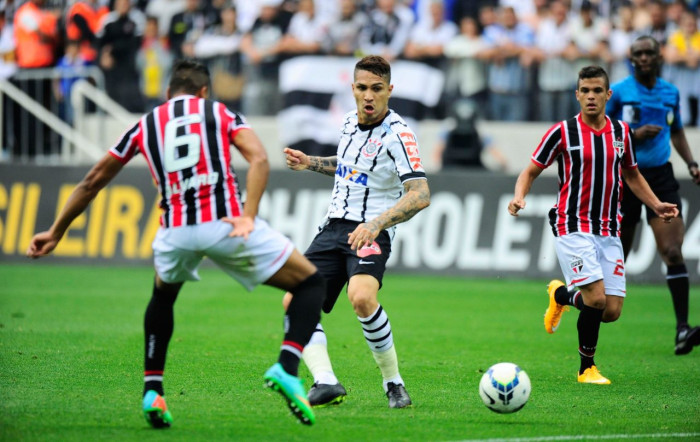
(664,185)
(331,253)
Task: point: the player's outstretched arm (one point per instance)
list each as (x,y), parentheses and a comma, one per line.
(298,160)
(639,186)
(522,188)
(680,142)
(97,178)
(252,149)
(415,198)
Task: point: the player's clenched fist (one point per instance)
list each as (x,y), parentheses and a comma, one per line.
(296,159)
(515,206)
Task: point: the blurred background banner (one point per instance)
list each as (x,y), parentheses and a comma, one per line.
(465,231)
(317,94)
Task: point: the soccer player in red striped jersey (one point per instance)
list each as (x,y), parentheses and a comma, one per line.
(593,153)
(186,143)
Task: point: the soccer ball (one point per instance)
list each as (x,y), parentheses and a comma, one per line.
(504,388)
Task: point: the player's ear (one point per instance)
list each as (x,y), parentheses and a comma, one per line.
(203,92)
(167,93)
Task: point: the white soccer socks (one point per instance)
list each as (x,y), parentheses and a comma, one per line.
(377,330)
(316,358)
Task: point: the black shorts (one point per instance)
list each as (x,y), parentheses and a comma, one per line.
(664,185)
(331,253)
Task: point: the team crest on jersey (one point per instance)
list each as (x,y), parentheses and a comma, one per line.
(619,146)
(576,264)
(371,148)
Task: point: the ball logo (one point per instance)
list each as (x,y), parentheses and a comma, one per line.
(371,148)
(576,264)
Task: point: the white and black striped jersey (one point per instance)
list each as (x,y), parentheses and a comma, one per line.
(186,142)
(373,163)
(590,179)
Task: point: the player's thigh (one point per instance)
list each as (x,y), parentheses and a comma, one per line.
(578,259)
(362,293)
(253,261)
(175,257)
(612,262)
(294,271)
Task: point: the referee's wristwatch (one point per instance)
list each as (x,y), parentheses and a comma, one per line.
(692,164)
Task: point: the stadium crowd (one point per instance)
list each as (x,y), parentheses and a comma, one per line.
(515,58)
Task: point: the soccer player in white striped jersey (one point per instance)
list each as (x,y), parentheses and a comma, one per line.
(593,152)
(379,183)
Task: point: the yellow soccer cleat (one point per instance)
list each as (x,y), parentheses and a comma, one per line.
(591,375)
(553,314)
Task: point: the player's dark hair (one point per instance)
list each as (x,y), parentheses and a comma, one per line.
(655,42)
(188,76)
(376,65)
(593,72)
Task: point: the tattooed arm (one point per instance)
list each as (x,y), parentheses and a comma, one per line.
(298,160)
(415,199)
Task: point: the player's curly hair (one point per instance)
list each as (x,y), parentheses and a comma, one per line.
(376,65)
(593,72)
(188,76)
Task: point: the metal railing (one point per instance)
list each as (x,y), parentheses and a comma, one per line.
(38,128)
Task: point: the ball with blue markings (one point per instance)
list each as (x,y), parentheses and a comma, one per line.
(504,388)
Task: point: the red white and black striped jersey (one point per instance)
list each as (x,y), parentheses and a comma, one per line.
(590,178)
(186,142)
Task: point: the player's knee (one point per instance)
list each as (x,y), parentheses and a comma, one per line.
(361,301)
(611,315)
(672,255)
(597,303)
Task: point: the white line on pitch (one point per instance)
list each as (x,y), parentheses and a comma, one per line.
(587,437)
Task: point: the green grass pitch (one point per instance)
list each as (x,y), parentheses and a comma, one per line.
(71,362)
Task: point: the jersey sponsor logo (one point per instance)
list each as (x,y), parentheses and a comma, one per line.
(669,117)
(371,148)
(630,114)
(352,175)
(619,146)
(576,264)
(372,249)
(409,141)
(194,182)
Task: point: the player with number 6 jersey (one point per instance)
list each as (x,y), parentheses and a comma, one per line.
(187,145)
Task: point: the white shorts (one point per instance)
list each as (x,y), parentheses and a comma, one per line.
(178,251)
(586,258)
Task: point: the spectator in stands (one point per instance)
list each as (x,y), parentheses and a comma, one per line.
(261,46)
(191,20)
(430,35)
(621,38)
(164,10)
(220,49)
(153,61)
(343,34)
(83,20)
(36,37)
(554,51)
(659,28)
(72,68)
(540,13)
(590,34)
(7,68)
(466,74)
(387,31)
(471,8)
(508,76)
(306,31)
(119,42)
(683,54)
